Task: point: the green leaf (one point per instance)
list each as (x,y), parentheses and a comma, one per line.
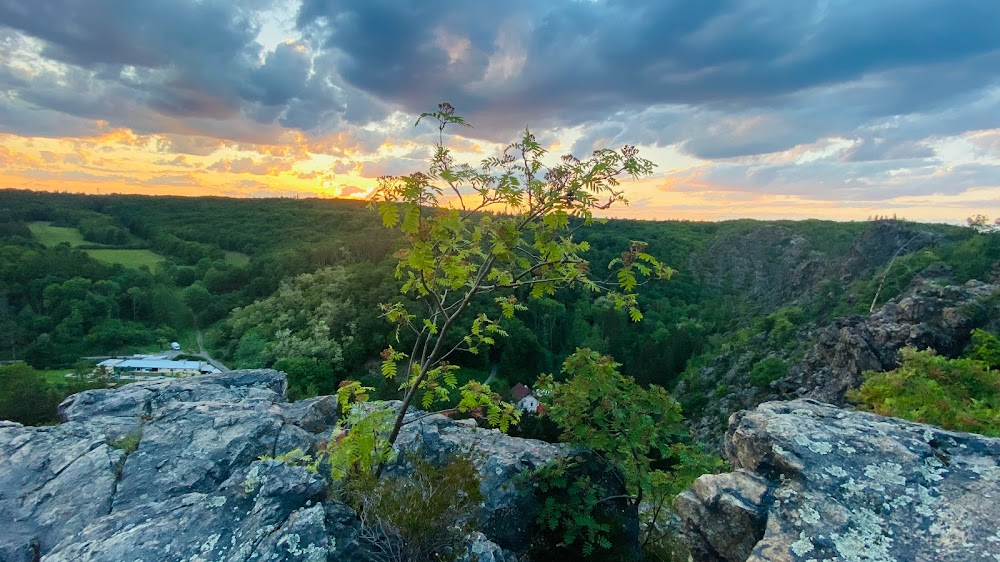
(389,214)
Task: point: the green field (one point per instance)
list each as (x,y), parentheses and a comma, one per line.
(238,259)
(50,235)
(128,258)
(55,376)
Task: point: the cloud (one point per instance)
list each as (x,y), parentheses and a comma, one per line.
(838,99)
(576,59)
(247,165)
(349,190)
(167,66)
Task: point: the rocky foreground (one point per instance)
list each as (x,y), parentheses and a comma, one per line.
(192,487)
(812,482)
(166,471)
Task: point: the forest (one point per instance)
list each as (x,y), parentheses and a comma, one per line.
(295,284)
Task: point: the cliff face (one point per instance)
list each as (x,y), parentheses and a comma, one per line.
(928,316)
(170,471)
(771,266)
(814,482)
(826,361)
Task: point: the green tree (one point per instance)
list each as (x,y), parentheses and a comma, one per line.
(306,377)
(638,431)
(984,346)
(197,298)
(768,370)
(309,316)
(982,223)
(26,397)
(505,227)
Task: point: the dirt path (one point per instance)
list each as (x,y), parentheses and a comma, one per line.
(201,346)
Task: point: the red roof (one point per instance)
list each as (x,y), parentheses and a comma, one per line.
(520,391)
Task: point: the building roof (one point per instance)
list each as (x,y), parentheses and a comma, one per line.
(162,364)
(520,391)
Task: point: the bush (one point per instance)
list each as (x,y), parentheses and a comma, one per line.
(307,377)
(422,516)
(960,394)
(636,434)
(767,371)
(984,347)
(26,397)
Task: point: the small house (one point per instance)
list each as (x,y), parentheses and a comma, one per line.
(526,402)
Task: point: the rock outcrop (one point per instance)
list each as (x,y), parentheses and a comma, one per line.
(824,362)
(770,266)
(812,482)
(928,316)
(168,471)
(171,470)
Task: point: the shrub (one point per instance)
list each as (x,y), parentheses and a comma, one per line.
(768,370)
(984,347)
(960,394)
(128,443)
(421,516)
(26,397)
(637,434)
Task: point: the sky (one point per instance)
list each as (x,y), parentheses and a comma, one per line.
(838,109)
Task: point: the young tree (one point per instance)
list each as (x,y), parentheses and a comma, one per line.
(508,224)
(635,430)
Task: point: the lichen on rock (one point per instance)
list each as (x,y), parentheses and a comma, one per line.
(882,493)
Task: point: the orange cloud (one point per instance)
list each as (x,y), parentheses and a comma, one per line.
(13,158)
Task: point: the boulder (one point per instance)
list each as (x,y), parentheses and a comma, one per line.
(510,505)
(480,549)
(268,511)
(178,470)
(54,481)
(824,362)
(119,412)
(811,481)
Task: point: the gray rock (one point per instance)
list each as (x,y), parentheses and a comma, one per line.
(814,482)
(194,447)
(121,411)
(269,511)
(508,511)
(314,415)
(170,470)
(53,482)
(480,549)
(825,362)
(927,316)
(510,507)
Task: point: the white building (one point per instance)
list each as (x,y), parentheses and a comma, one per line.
(148,367)
(526,402)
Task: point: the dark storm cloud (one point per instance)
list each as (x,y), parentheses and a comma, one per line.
(719,78)
(134,63)
(827,67)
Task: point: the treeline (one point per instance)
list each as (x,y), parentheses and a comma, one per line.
(311,273)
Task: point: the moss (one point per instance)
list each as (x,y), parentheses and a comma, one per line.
(128,443)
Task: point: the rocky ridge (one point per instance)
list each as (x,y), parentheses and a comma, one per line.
(812,482)
(771,266)
(170,471)
(827,361)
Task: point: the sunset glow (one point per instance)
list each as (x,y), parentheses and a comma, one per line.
(826,118)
